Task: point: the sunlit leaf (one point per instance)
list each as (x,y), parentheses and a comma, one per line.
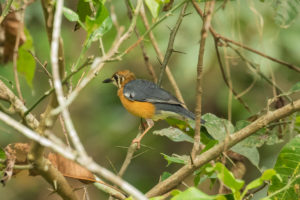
(266,176)
(288,167)
(228,179)
(70,14)
(25,62)
(193,193)
(165,175)
(154,7)
(218,128)
(183,159)
(174,134)
(93,23)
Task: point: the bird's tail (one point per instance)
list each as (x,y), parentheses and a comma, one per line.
(178,109)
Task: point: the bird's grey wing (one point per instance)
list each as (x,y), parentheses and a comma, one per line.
(143,90)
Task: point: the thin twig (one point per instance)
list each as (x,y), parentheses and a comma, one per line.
(226,79)
(177,177)
(57,81)
(171,43)
(41,64)
(6,10)
(16,50)
(51,90)
(160,56)
(227,40)
(99,62)
(68,153)
(273,84)
(62,123)
(209,7)
(142,45)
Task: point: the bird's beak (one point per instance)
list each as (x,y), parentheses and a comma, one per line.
(109,80)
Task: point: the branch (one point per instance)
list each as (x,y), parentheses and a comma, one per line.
(16,50)
(238,97)
(99,62)
(209,7)
(215,151)
(6,10)
(227,40)
(170,47)
(56,79)
(142,45)
(59,147)
(51,90)
(160,55)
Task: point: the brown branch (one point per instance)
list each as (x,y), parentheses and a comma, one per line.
(252,65)
(209,7)
(41,64)
(160,56)
(215,151)
(52,175)
(170,47)
(226,79)
(227,40)
(16,50)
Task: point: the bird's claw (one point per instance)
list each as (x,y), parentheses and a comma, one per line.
(137,141)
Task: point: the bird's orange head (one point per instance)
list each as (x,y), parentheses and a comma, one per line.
(120,78)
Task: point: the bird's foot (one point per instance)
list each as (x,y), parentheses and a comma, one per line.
(137,141)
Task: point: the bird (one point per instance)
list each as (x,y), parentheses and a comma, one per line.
(147,100)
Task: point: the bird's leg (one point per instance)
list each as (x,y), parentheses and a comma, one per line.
(150,124)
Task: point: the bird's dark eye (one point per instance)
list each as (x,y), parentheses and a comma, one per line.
(115,77)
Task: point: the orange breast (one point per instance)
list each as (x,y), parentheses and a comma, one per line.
(145,110)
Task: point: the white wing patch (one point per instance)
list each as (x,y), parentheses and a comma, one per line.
(129,95)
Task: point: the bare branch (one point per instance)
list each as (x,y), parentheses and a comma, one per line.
(209,7)
(16,50)
(65,151)
(57,81)
(171,43)
(160,55)
(215,151)
(227,40)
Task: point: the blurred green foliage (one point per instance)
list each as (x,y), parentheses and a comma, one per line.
(104,126)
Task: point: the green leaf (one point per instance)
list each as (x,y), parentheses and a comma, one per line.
(83,9)
(105,27)
(193,193)
(228,179)
(249,152)
(154,7)
(184,126)
(2,158)
(70,14)
(288,167)
(25,62)
(266,176)
(157,198)
(218,128)
(2,154)
(174,134)
(176,159)
(93,23)
(295,88)
(165,175)
(286,12)
(261,137)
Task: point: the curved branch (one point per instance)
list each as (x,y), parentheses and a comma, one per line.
(214,152)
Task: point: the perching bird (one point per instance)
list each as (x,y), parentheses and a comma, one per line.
(147,100)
